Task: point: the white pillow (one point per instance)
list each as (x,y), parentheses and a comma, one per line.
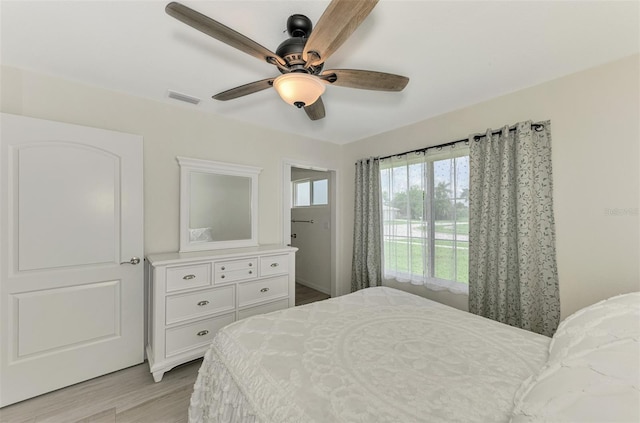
(593,370)
(598,324)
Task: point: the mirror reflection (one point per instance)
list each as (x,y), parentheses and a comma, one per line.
(219,207)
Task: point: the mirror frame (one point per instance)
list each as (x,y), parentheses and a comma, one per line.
(189,165)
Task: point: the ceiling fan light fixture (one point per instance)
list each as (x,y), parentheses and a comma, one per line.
(299,89)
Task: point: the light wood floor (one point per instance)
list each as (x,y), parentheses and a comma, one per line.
(126,396)
(129,395)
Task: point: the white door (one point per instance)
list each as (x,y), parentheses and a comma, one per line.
(71,217)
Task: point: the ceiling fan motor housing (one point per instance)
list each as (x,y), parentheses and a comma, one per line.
(299,28)
(291,51)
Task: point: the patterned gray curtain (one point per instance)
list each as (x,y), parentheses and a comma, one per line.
(366,267)
(512,259)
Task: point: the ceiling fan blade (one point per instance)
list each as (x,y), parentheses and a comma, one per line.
(365,80)
(316,110)
(221,32)
(246,89)
(336,24)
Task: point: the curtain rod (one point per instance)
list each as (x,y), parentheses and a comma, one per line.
(537,126)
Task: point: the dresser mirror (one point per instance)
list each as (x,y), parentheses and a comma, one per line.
(218,205)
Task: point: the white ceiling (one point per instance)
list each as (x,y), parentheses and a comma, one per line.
(456,53)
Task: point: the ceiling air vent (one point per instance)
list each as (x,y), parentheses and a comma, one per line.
(183,97)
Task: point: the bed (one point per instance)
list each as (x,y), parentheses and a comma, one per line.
(384,355)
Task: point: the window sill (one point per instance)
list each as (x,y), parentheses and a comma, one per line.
(433,284)
(314,206)
(454,287)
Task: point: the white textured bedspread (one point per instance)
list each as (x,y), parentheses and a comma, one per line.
(377,355)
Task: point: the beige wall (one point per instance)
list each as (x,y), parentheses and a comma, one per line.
(596,157)
(596,136)
(169,131)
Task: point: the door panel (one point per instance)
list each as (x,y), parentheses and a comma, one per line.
(71,214)
(41,318)
(82,199)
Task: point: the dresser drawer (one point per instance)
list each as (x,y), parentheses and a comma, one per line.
(262,290)
(188,306)
(274,265)
(194,335)
(264,308)
(235,270)
(191,276)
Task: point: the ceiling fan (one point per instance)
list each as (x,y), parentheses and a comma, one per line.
(300,58)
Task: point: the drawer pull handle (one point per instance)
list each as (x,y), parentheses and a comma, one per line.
(203,303)
(202,333)
(274,265)
(264,289)
(250,272)
(187,277)
(250,264)
(222,277)
(222,268)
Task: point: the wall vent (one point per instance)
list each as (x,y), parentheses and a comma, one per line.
(183,97)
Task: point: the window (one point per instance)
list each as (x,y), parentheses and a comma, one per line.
(426,218)
(310,192)
(301,193)
(320,192)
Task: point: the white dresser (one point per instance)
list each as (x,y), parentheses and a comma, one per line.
(192,295)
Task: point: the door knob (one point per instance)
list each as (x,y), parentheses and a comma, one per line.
(134,261)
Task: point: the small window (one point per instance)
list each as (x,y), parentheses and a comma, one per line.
(310,193)
(302,194)
(320,192)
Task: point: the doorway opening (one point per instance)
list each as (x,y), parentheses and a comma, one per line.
(309,224)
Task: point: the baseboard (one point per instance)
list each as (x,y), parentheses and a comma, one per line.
(312,285)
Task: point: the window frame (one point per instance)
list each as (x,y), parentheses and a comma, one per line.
(429,238)
(310,181)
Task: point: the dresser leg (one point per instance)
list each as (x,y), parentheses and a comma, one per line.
(157,376)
